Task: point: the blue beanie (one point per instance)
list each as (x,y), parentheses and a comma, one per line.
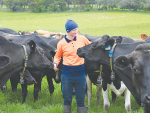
(70,25)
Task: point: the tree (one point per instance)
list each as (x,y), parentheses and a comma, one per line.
(81,2)
(76,2)
(67,1)
(147,5)
(15,5)
(62,5)
(138,4)
(54,6)
(37,5)
(112,3)
(1,3)
(24,3)
(87,6)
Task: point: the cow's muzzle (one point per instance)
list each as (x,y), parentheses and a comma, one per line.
(147,99)
(79,53)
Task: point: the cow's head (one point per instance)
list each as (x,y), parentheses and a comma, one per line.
(135,72)
(96,51)
(36,58)
(49,50)
(28,78)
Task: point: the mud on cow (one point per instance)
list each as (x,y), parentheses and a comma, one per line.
(12,58)
(134,71)
(95,52)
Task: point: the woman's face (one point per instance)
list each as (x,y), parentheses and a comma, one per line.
(73,32)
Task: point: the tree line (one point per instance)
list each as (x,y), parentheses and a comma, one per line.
(74,5)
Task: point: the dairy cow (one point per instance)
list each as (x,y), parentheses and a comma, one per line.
(47,51)
(95,52)
(13,57)
(134,70)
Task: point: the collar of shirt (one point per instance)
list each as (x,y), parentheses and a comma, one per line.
(68,39)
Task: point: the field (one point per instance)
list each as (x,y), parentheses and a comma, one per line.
(128,24)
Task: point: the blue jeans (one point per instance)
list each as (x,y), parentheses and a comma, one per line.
(79,83)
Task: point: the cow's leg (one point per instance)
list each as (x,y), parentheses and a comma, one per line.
(50,83)
(127,101)
(36,90)
(14,84)
(113,96)
(89,89)
(106,100)
(147,108)
(99,91)
(24,92)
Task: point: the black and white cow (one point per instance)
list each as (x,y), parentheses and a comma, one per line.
(135,73)
(95,52)
(93,77)
(12,58)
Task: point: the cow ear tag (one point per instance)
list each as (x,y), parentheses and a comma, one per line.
(112,77)
(21,80)
(99,80)
(108,47)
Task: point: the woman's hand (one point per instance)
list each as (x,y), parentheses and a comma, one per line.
(55,67)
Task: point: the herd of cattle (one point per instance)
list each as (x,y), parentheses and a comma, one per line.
(116,63)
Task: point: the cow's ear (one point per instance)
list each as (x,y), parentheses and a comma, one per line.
(4,61)
(118,39)
(53,53)
(109,42)
(32,45)
(101,42)
(121,62)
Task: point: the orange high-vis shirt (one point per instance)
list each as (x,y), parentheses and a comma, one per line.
(69,51)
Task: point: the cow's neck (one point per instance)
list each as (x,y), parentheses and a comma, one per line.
(124,49)
(16,63)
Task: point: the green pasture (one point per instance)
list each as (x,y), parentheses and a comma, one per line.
(127,24)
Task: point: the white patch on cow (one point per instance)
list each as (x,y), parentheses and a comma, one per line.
(106,100)
(89,89)
(113,88)
(123,89)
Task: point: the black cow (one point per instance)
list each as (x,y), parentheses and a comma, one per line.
(12,58)
(134,71)
(10,31)
(95,52)
(49,52)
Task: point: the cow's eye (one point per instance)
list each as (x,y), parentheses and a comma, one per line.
(93,46)
(136,70)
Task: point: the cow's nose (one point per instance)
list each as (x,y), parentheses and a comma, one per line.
(147,99)
(78,50)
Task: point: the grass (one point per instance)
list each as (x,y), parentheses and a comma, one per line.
(129,24)
(11,102)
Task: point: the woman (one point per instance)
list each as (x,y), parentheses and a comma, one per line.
(73,69)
